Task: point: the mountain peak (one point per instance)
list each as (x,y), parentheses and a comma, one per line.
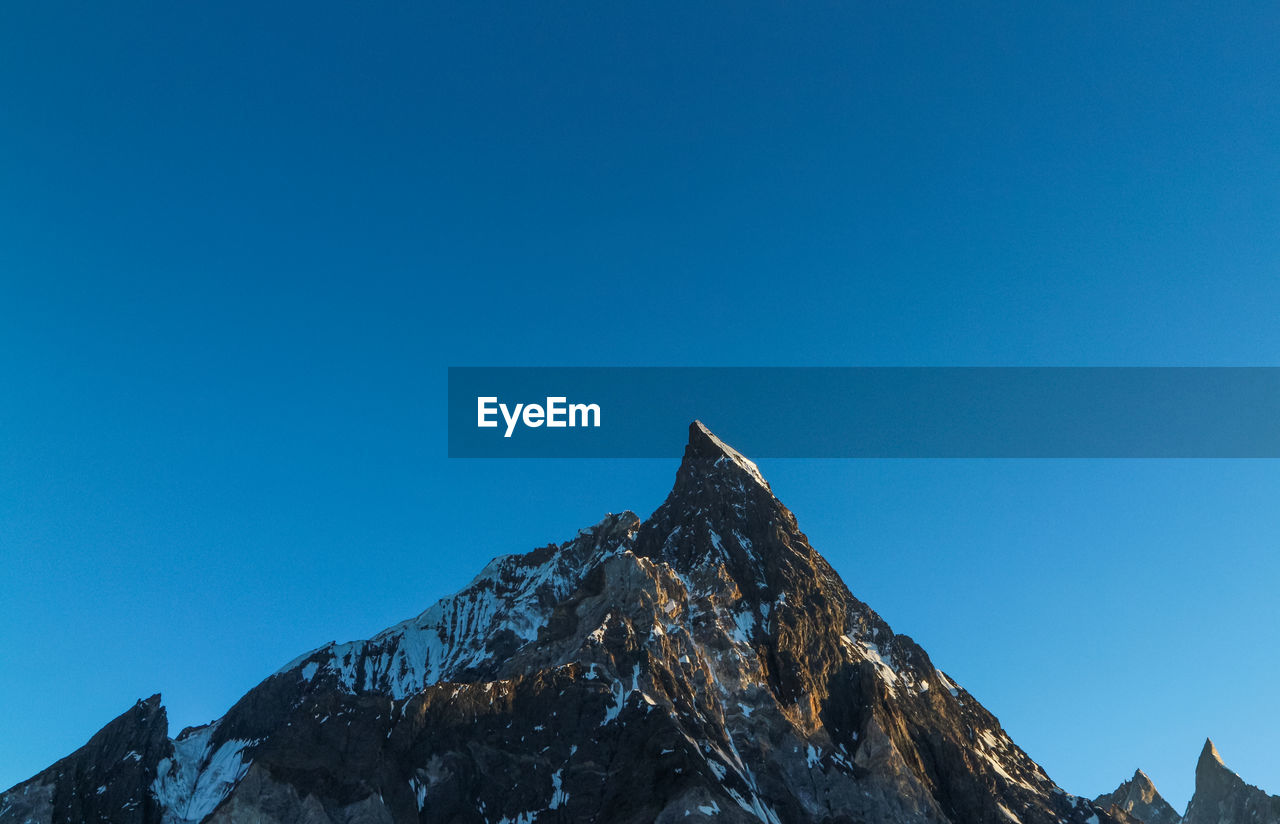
(721,508)
(1210,754)
(1222,797)
(704,447)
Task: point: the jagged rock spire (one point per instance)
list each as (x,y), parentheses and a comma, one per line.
(1213,779)
(721,512)
(1222,797)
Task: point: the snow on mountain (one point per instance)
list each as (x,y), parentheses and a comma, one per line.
(500,611)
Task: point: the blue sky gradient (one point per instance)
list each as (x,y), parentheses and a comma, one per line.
(240,245)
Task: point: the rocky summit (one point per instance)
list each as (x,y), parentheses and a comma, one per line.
(1140,800)
(705,663)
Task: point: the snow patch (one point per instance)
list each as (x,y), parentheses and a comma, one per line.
(419,791)
(196,779)
(558,795)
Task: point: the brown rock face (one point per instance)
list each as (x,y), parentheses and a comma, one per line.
(706,662)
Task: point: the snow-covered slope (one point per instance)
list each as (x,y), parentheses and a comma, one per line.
(499,612)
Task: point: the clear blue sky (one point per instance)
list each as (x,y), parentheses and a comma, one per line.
(239,246)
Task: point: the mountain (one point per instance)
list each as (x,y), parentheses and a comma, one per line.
(703,663)
(1139,798)
(1222,797)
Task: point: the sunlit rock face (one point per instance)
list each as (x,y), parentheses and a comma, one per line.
(703,663)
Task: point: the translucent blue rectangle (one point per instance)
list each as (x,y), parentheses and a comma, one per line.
(822,412)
